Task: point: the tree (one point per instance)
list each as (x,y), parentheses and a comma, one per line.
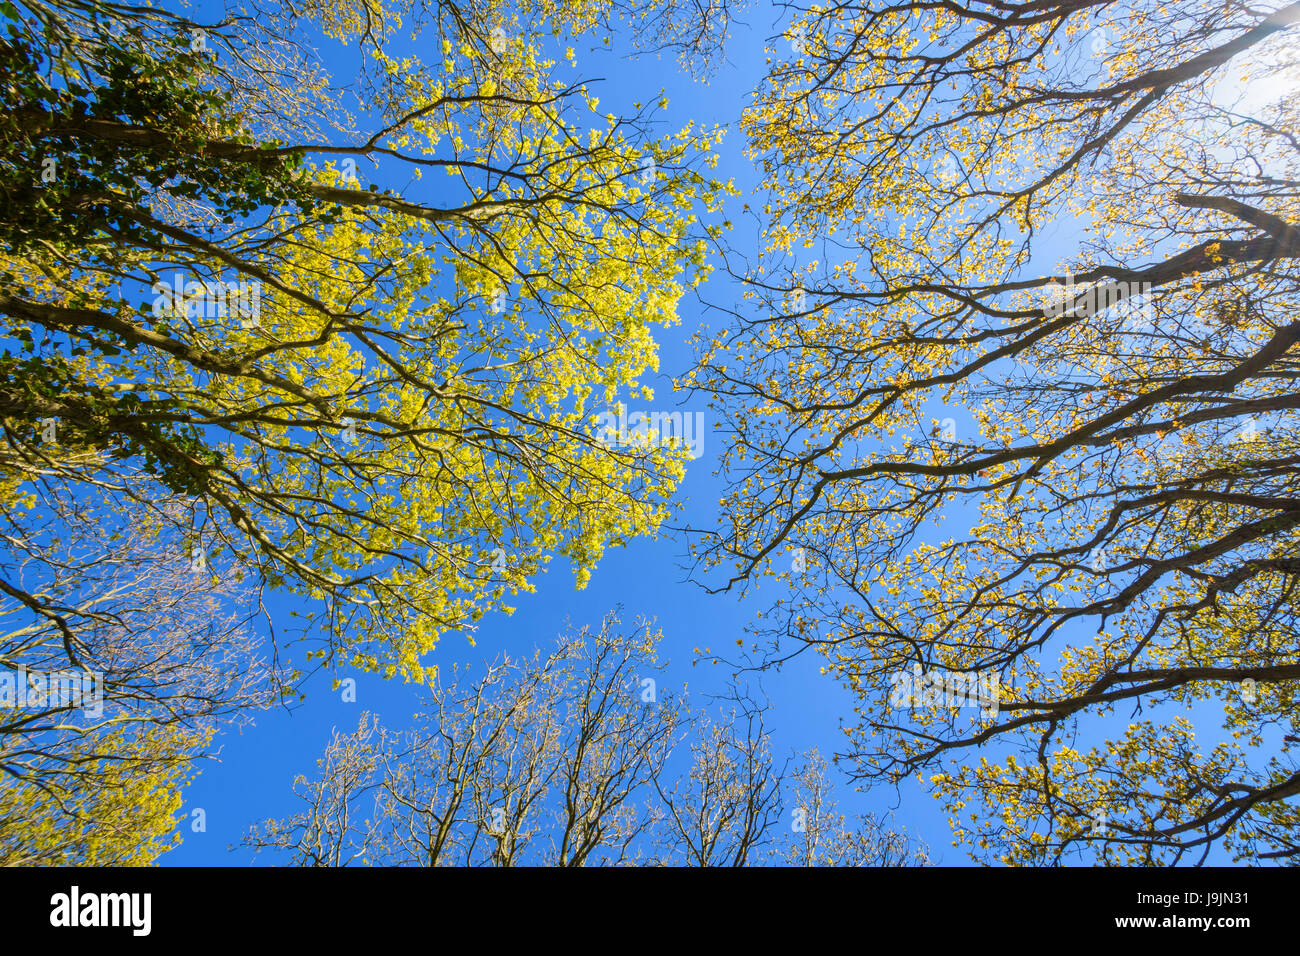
(726,809)
(380,398)
(539,760)
(116,806)
(120,656)
(1114,434)
(568,759)
(822,837)
(327,833)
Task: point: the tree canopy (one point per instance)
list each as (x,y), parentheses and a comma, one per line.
(379,397)
(234,367)
(1012,394)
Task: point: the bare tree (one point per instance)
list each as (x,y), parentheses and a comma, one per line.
(728,806)
(122,652)
(326,832)
(574,758)
(822,837)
